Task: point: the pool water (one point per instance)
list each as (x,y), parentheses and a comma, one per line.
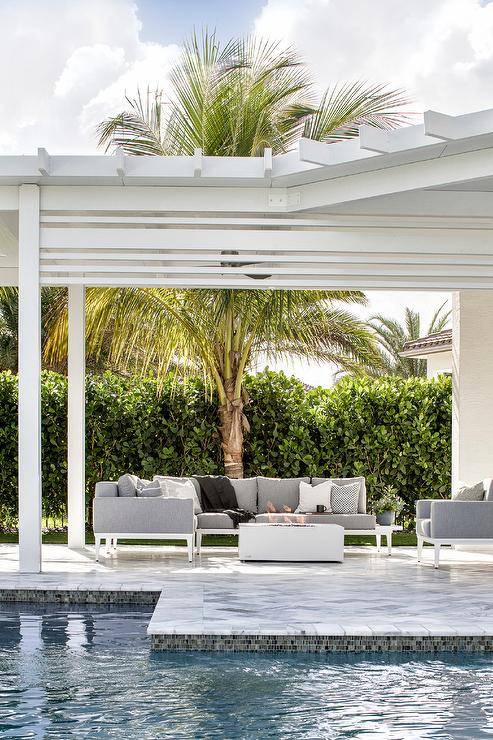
(77,673)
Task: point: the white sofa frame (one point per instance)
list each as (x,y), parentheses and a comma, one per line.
(112,538)
(437,544)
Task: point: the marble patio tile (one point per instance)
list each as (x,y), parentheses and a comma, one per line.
(356,630)
(385,628)
(332,629)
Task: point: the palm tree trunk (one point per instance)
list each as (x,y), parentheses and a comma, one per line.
(232,426)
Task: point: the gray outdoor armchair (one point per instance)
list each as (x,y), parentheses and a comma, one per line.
(452,522)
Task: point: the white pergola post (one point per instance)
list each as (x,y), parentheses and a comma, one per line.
(76,417)
(472,350)
(29,382)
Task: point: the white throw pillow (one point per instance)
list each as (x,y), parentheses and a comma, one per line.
(344,499)
(310,496)
(176,489)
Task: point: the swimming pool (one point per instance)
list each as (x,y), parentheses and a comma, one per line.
(76,673)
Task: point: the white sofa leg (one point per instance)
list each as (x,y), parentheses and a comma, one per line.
(198,541)
(115,541)
(190,539)
(437,555)
(420,548)
(378,538)
(97,545)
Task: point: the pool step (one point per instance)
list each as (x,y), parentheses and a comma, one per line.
(178,623)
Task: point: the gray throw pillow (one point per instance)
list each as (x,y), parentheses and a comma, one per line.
(470,493)
(127,485)
(149,489)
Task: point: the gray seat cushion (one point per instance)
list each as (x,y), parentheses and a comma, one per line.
(348,521)
(279,492)
(246,493)
(345,482)
(423,527)
(214,520)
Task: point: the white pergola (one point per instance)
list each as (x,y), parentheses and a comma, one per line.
(407,209)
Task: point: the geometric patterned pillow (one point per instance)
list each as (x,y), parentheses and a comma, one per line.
(344,499)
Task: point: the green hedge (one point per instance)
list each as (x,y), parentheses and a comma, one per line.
(390,430)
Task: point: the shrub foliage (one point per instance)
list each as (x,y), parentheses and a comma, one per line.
(393,431)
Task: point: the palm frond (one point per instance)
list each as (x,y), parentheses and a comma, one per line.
(347,106)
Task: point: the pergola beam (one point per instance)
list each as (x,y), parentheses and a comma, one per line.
(451,128)
(76,417)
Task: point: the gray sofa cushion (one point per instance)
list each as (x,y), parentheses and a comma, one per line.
(134,515)
(106,489)
(279,492)
(423,527)
(344,482)
(348,521)
(470,493)
(246,493)
(214,520)
(127,485)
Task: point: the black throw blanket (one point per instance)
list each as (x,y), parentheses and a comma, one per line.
(218,495)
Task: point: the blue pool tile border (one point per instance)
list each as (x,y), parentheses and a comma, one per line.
(101,595)
(323,643)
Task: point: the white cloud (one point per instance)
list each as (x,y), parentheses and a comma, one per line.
(441,51)
(66,65)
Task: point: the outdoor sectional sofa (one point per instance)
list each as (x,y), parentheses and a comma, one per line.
(124,517)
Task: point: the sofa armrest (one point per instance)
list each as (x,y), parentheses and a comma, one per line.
(423,508)
(143,515)
(106,489)
(462,520)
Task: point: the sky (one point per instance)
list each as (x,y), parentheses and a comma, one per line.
(66,64)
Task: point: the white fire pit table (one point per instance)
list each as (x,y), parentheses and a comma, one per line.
(291,542)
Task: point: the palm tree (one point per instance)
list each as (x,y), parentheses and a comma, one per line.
(234,100)
(244,97)
(392,336)
(9,321)
(220,334)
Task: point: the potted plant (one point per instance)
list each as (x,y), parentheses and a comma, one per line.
(388,506)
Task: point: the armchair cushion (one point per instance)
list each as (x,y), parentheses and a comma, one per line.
(423,508)
(423,527)
(462,520)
